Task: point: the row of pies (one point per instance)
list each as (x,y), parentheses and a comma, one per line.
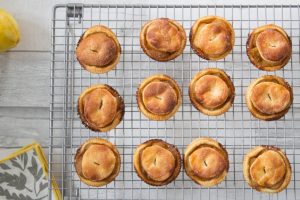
(211,91)
(212,38)
(206,162)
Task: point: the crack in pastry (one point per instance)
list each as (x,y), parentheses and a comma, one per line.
(269,47)
(269,97)
(159,97)
(100,108)
(212,37)
(157,162)
(98,50)
(267,169)
(97,162)
(162,39)
(211,91)
(206,162)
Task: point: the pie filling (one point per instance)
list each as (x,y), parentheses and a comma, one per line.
(211,91)
(159,97)
(100,107)
(157,162)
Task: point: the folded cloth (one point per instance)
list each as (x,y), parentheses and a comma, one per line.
(24,175)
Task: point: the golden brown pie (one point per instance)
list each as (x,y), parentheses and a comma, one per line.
(269,47)
(267,169)
(162,39)
(97,162)
(100,108)
(159,97)
(269,97)
(157,162)
(211,91)
(212,37)
(206,162)
(98,50)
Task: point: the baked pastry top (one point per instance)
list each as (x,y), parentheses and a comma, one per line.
(267,169)
(206,162)
(100,108)
(159,97)
(162,39)
(98,50)
(211,91)
(157,162)
(269,97)
(97,162)
(212,37)
(269,47)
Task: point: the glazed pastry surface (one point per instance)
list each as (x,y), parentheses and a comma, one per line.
(267,169)
(98,50)
(159,97)
(212,37)
(162,39)
(269,47)
(97,162)
(206,162)
(100,108)
(211,91)
(157,162)
(269,97)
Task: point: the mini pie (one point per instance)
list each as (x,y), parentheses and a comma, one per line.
(267,169)
(206,162)
(269,97)
(98,50)
(100,108)
(211,91)
(269,47)
(162,39)
(97,162)
(157,162)
(212,37)
(159,97)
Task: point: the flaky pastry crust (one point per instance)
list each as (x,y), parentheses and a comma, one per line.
(97,162)
(100,108)
(267,169)
(157,162)
(98,50)
(206,162)
(269,47)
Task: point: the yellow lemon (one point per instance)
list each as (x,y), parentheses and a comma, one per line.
(9,31)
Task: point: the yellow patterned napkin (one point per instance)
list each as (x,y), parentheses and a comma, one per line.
(24,175)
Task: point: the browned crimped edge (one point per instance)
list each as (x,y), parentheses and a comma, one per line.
(120,109)
(268,78)
(139,97)
(171,56)
(221,109)
(194,29)
(254,153)
(198,143)
(110,66)
(251,37)
(81,150)
(138,168)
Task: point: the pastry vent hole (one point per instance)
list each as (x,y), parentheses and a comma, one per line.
(94,50)
(154,161)
(158,97)
(205,163)
(101,104)
(269,97)
(96,163)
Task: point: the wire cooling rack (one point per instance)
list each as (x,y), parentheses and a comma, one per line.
(236,129)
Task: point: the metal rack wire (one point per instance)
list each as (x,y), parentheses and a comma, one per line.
(236,129)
